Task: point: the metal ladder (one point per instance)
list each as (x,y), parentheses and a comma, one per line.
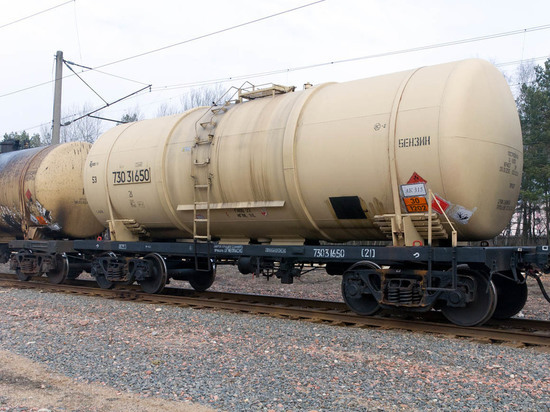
(201,223)
(202,177)
(202,181)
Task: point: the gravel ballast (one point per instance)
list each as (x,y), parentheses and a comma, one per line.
(240,362)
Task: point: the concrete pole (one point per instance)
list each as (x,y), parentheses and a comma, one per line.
(56,129)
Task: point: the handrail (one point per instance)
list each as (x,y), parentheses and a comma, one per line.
(431,197)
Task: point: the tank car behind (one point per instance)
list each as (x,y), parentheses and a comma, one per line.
(43,197)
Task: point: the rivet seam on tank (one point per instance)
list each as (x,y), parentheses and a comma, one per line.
(289,158)
(392,146)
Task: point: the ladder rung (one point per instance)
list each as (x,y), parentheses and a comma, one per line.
(207,141)
(202,186)
(216,110)
(197,163)
(201,237)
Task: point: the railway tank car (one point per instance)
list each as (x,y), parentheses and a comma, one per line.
(324,163)
(275,180)
(43,196)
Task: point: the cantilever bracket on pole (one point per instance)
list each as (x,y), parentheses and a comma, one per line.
(109,104)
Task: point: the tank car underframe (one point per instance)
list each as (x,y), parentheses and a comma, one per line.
(468,284)
(48,258)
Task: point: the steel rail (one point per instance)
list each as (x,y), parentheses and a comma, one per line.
(519,331)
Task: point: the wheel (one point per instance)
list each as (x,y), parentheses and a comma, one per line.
(202,280)
(58,274)
(511,296)
(481,308)
(157,281)
(354,288)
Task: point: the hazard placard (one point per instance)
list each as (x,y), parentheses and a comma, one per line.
(416,178)
(416,204)
(440,205)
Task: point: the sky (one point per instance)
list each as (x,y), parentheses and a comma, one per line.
(324,41)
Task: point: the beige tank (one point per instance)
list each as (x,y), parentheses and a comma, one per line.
(336,162)
(42,193)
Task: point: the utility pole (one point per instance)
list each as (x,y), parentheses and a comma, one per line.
(56,129)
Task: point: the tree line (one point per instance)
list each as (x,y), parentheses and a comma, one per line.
(531,222)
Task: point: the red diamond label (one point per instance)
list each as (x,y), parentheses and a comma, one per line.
(416,178)
(442,206)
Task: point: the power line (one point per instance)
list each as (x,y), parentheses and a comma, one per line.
(102,72)
(353,59)
(36,14)
(206,83)
(121,77)
(175,44)
(515,62)
(211,34)
(67,76)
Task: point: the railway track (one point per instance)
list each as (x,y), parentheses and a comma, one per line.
(520,332)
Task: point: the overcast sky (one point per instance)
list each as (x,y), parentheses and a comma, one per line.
(96,33)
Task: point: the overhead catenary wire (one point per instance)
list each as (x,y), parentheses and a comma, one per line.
(203,36)
(36,14)
(176,44)
(353,59)
(217,82)
(254,75)
(288,70)
(190,85)
(241,77)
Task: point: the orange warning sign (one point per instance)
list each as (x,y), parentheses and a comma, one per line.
(416,204)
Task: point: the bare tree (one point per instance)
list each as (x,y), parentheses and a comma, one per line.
(525,73)
(46,134)
(86,129)
(202,96)
(166,110)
